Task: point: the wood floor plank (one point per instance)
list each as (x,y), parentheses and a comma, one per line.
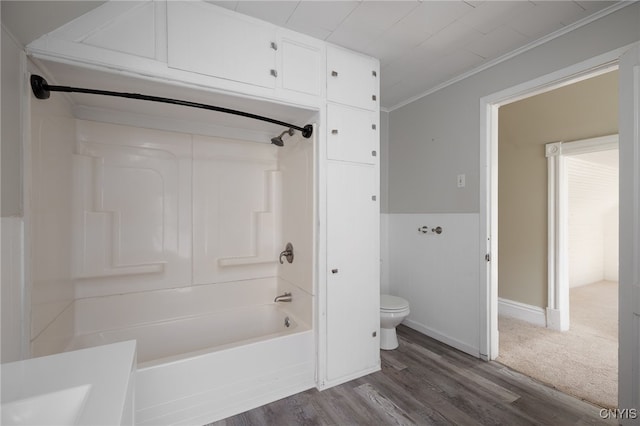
(386,408)
(425,382)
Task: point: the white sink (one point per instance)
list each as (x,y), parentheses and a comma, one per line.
(88,387)
(55,408)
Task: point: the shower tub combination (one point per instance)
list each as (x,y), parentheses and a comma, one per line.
(198,364)
(166,230)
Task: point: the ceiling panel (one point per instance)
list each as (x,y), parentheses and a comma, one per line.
(326,15)
(454,37)
(498,42)
(277,12)
(490,15)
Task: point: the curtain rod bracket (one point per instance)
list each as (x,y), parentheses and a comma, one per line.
(40,87)
(307,131)
(42,90)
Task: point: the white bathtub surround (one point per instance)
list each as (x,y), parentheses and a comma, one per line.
(165,341)
(14,307)
(92,386)
(132,209)
(96,314)
(57,335)
(296,166)
(301,305)
(206,352)
(207,307)
(431,270)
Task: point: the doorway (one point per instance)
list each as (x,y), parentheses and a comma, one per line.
(628,58)
(580,360)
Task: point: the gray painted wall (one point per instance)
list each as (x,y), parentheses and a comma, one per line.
(437,137)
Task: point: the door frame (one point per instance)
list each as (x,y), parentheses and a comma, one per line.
(488,217)
(557,223)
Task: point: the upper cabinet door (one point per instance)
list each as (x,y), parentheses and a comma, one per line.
(209,40)
(300,65)
(352,79)
(352,134)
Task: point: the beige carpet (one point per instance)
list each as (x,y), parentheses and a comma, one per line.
(582,361)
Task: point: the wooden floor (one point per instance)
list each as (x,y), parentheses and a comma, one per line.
(425,382)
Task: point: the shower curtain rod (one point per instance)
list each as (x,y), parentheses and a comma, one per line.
(41,90)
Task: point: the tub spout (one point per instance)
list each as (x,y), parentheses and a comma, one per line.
(284,298)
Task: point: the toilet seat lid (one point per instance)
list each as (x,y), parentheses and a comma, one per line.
(392,303)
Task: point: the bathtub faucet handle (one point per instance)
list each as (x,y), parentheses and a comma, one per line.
(287,253)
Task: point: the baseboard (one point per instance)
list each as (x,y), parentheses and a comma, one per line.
(454,343)
(531,314)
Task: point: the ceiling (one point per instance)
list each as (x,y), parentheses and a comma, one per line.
(421,44)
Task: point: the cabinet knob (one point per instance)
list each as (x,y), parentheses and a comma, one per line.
(334,73)
(373,127)
(334,271)
(334,131)
(274,73)
(373,198)
(274,45)
(374,153)
(374,97)
(374,73)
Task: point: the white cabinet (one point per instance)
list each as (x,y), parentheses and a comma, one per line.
(210,40)
(352,79)
(353,217)
(353,282)
(300,68)
(352,134)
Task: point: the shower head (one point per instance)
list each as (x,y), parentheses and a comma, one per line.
(278,139)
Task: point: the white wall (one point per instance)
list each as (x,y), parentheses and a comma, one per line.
(295,163)
(11,227)
(436,274)
(145,210)
(437,137)
(592,231)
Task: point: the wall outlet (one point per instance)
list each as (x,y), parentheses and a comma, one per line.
(461,181)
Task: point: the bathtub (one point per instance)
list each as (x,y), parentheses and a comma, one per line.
(197,369)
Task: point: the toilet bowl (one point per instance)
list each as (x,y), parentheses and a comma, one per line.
(393,310)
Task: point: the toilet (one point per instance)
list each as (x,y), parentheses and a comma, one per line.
(393,310)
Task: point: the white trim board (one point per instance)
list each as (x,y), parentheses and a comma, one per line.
(529,313)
